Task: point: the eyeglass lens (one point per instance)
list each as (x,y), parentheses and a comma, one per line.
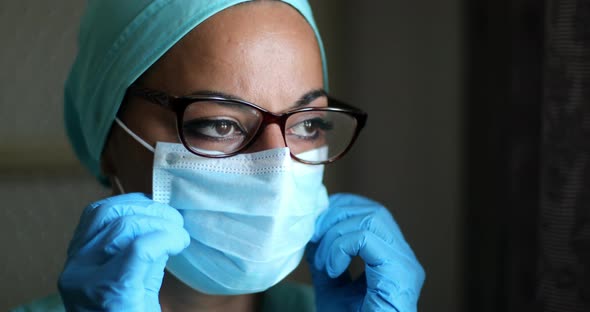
(224,127)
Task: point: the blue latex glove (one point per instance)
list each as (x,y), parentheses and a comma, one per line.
(117,257)
(355,226)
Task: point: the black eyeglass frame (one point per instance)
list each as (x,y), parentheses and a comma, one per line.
(178,105)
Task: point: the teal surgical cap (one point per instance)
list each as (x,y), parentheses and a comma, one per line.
(118,41)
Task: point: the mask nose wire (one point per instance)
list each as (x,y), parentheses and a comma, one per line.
(134,136)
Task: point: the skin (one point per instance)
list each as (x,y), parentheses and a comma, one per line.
(264,52)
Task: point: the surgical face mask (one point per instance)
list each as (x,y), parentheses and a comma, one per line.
(249,216)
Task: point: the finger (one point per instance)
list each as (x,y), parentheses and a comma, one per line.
(98,215)
(124,198)
(393,275)
(138,270)
(371,222)
(121,232)
(125,230)
(144,260)
(138,279)
(84,231)
(321,280)
(149,250)
(372,249)
(398,290)
(360,244)
(129,204)
(94,209)
(342,207)
(154,276)
(380,222)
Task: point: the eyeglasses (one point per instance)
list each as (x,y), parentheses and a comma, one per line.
(217,127)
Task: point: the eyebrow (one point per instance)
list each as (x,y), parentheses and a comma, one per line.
(304,100)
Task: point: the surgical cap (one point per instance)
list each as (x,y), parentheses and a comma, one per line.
(118,41)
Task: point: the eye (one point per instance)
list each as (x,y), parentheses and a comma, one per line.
(310,128)
(214,129)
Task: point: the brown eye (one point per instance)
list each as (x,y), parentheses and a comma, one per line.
(223,128)
(214,129)
(309,127)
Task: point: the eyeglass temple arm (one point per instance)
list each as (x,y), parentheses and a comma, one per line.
(153,96)
(360,115)
(339,104)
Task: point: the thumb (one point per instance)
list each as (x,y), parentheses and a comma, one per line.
(321,280)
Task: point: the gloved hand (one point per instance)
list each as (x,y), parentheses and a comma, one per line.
(117,257)
(353,226)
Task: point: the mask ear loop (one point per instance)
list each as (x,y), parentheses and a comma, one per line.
(134,136)
(118,185)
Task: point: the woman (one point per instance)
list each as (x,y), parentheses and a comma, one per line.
(216,198)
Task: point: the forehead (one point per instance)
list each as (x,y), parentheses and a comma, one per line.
(262,51)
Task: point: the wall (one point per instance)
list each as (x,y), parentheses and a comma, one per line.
(399,60)
(42,187)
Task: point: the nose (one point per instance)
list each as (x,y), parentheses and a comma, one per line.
(271,137)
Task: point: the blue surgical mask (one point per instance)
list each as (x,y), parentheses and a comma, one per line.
(250,216)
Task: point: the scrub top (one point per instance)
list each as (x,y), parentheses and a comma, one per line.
(284,297)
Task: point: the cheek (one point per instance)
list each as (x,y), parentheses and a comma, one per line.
(132,163)
(140,171)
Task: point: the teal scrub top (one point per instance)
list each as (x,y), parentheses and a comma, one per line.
(284,297)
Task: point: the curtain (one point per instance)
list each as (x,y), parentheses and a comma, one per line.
(528,156)
(564,256)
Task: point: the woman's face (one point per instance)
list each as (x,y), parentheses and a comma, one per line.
(264,52)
